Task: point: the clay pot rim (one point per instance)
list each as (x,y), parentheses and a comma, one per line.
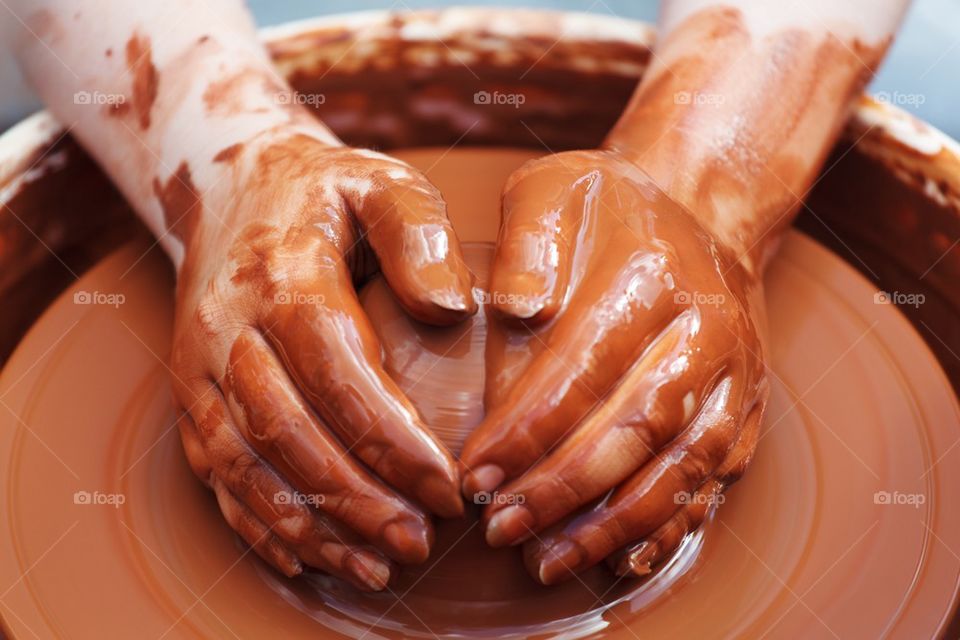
(915,151)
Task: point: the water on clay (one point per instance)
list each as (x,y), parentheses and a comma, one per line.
(801,546)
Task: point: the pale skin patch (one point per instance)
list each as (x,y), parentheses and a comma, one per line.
(247,193)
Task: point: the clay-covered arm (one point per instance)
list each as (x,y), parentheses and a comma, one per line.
(641,395)
(155,91)
(285,409)
(743,101)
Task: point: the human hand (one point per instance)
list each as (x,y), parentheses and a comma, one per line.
(639,395)
(316,456)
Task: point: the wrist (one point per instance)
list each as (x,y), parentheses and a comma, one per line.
(235,191)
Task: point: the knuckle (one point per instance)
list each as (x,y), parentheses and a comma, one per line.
(243,473)
(616,531)
(277,427)
(346,504)
(211,315)
(565,492)
(210,425)
(698,462)
(642,432)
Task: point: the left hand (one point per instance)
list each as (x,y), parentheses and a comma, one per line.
(643,383)
(316,456)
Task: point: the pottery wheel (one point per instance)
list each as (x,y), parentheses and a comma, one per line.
(845,526)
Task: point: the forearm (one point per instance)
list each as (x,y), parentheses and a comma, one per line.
(165,95)
(743,102)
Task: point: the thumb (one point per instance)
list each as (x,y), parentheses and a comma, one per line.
(404,219)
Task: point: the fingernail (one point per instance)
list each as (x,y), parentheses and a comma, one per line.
(510,525)
(450,289)
(638,561)
(522,293)
(520,305)
(292,568)
(452,300)
(410,541)
(486,477)
(441,496)
(288,563)
(560,560)
(369,570)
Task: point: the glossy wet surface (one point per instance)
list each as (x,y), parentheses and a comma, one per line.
(842,527)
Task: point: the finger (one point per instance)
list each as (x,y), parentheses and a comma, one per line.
(639,558)
(649,498)
(193,447)
(507,354)
(332,352)
(533,263)
(258,489)
(361,567)
(270,412)
(404,219)
(743,449)
(629,308)
(255,533)
(654,402)
(242,470)
(331,547)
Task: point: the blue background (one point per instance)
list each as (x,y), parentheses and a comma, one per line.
(924,61)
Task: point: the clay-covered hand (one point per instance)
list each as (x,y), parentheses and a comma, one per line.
(316,456)
(638,395)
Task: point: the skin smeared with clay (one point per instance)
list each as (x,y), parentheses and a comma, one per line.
(626,363)
(638,270)
(315,455)
(666,335)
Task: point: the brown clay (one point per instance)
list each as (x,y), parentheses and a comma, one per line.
(638,267)
(144,74)
(803,523)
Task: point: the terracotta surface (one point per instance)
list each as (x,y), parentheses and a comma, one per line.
(402,79)
(800,549)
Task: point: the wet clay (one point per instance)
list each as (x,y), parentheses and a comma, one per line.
(735,124)
(278,372)
(858,409)
(644,374)
(648,384)
(439,110)
(140,65)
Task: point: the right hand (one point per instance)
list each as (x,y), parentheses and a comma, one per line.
(316,456)
(638,397)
